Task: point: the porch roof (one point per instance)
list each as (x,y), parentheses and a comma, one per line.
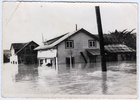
(93,52)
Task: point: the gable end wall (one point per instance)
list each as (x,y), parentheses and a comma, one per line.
(80,44)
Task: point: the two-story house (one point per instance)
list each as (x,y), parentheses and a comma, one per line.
(76,47)
(23,53)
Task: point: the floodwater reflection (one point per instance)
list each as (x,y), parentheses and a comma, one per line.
(86,79)
(26,73)
(104,82)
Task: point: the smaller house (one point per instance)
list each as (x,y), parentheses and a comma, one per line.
(115,50)
(6,56)
(23,53)
(119,52)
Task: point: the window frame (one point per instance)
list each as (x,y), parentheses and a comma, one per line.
(68,41)
(91,42)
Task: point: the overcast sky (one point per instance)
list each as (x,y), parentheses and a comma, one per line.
(26,21)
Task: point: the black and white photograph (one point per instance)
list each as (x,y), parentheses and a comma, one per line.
(69,50)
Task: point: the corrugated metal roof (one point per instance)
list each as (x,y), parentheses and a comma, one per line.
(118,48)
(93,51)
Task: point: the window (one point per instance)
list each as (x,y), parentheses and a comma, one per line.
(69,44)
(92,43)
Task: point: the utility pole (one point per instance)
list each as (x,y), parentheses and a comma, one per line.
(101,39)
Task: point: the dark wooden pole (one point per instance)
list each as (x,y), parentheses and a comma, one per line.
(101,39)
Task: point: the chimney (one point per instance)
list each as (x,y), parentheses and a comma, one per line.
(42,38)
(76,27)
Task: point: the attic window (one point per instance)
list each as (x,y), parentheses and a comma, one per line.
(91,43)
(69,44)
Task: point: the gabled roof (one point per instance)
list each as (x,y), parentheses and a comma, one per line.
(26,44)
(20,46)
(62,38)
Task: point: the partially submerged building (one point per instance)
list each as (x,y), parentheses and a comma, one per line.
(119,52)
(23,53)
(115,50)
(71,47)
(76,47)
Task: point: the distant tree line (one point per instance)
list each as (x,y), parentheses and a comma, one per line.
(126,37)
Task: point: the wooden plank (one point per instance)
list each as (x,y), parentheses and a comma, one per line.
(83,57)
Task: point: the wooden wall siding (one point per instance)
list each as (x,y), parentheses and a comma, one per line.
(80,44)
(28,55)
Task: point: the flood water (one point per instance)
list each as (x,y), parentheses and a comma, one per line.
(79,79)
